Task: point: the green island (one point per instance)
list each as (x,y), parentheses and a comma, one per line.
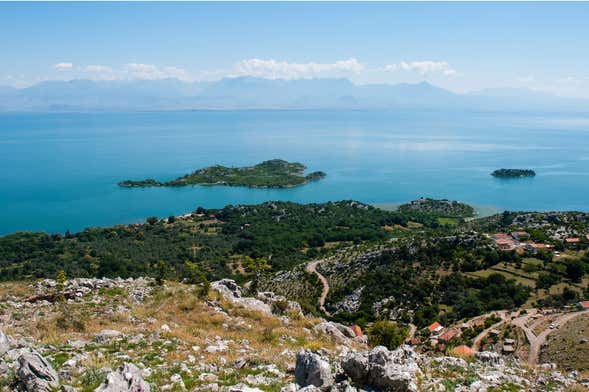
(275,173)
(513,173)
(444,208)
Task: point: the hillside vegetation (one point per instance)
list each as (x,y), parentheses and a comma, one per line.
(275,173)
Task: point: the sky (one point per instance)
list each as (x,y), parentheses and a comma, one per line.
(458,46)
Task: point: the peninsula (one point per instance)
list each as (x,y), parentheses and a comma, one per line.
(275,173)
(513,173)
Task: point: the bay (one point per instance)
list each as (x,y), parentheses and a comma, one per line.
(60,171)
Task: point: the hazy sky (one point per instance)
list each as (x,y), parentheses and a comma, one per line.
(460,46)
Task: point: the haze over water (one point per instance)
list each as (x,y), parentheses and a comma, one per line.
(60,171)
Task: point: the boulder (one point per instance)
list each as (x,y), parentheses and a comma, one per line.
(383,370)
(232,293)
(391,379)
(343,386)
(4,344)
(243,388)
(489,357)
(106,335)
(280,304)
(36,374)
(125,379)
(311,369)
(355,366)
(340,333)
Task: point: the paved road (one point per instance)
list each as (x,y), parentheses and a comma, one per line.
(312,268)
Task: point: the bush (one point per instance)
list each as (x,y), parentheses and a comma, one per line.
(387,333)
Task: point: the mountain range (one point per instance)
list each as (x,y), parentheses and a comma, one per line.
(258,93)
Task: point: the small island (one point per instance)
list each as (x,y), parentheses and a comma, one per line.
(445,208)
(275,173)
(513,173)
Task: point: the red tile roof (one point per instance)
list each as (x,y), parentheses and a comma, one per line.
(434,326)
(572,240)
(463,351)
(449,334)
(584,304)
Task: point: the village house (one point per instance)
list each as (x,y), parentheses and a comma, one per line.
(435,328)
(533,247)
(584,305)
(448,335)
(463,351)
(507,349)
(573,241)
(520,235)
(506,244)
(500,236)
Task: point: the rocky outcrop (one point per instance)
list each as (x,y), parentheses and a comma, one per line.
(125,379)
(232,292)
(312,370)
(279,303)
(340,333)
(382,369)
(36,374)
(4,344)
(489,357)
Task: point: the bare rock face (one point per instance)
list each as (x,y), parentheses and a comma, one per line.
(489,357)
(340,333)
(383,370)
(232,292)
(36,374)
(312,370)
(126,379)
(4,344)
(280,304)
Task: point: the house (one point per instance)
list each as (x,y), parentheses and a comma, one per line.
(463,351)
(584,305)
(509,342)
(500,236)
(520,235)
(533,248)
(573,241)
(507,349)
(435,328)
(505,244)
(448,335)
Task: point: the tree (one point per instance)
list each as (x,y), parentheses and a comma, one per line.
(171,219)
(387,333)
(196,276)
(256,266)
(161,269)
(575,271)
(152,220)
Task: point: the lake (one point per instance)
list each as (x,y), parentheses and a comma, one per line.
(60,171)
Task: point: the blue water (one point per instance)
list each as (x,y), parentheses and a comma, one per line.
(59,171)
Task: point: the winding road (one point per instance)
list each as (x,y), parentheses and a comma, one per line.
(537,342)
(312,268)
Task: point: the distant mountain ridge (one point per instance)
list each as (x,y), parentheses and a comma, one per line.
(258,93)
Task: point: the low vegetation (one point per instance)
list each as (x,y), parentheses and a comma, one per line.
(275,173)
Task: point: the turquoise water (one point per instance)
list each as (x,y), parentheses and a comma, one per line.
(59,171)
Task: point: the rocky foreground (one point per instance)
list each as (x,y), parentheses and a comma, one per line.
(115,335)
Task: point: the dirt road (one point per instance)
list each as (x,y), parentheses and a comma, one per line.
(312,268)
